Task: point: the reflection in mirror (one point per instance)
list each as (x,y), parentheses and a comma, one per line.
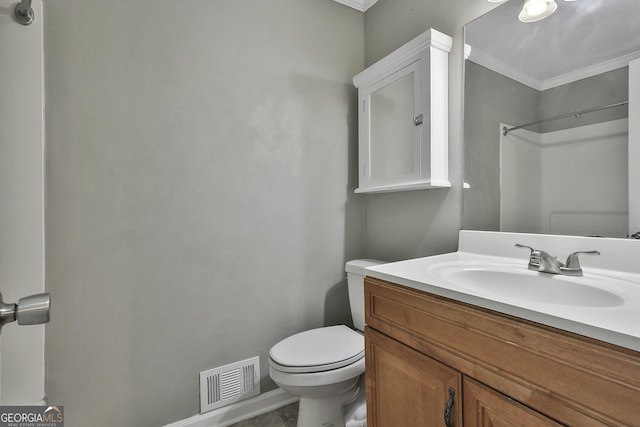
(392,135)
(566,175)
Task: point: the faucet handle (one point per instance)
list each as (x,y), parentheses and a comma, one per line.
(574,263)
(534,257)
(518,245)
(542,261)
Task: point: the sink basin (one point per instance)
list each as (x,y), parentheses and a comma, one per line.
(517,282)
(488,271)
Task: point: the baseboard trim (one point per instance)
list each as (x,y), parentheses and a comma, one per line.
(240,411)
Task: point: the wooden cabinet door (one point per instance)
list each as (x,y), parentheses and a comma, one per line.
(485,407)
(405,388)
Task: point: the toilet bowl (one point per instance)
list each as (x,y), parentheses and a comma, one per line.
(325,366)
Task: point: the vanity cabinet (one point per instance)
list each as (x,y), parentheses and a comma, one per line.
(403,117)
(484,407)
(504,371)
(410,389)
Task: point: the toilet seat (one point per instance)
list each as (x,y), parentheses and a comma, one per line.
(330,378)
(317,350)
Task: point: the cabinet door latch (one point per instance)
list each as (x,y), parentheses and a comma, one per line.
(418,120)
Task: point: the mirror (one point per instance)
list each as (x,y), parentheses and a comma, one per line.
(566,79)
(393,137)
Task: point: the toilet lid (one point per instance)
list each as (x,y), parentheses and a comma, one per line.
(318,350)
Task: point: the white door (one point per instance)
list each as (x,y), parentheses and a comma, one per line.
(21,200)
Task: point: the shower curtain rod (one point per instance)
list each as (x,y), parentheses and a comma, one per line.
(576,114)
(23,12)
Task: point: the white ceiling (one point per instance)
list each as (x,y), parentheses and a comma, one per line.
(582,38)
(361,5)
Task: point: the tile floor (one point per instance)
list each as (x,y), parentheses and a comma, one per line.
(287,416)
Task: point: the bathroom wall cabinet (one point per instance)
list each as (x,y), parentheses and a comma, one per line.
(403,117)
(503,370)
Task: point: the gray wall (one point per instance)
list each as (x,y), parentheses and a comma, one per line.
(489,99)
(201,162)
(420,223)
(602,89)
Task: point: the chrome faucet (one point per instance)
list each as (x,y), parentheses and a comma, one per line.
(542,261)
(546,263)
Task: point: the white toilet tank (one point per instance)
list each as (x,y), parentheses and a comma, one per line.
(355,280)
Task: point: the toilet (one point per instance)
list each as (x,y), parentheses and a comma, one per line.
(325,366)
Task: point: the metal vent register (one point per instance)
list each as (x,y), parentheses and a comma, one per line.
(229,383)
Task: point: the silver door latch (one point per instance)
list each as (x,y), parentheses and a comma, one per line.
(418,120)
(31,310)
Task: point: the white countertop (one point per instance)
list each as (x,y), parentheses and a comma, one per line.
(618,324)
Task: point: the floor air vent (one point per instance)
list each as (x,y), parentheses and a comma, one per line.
(228,384)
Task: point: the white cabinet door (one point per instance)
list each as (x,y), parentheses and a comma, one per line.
(403,117)
(390,150)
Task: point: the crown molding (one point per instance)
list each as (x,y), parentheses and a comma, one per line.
(361,5)
(403,56)
(490,62)
(592,70)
